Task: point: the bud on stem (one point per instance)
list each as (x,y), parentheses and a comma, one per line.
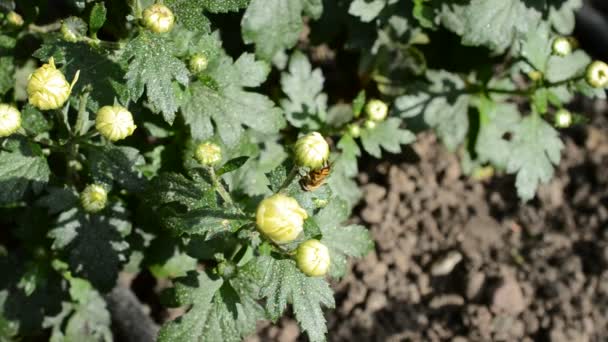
(312,151)
(280,218)
(94,198)
(114,122)
(10,120)
(158,18)
(312,258)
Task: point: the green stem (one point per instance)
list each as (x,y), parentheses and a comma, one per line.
(82,114)
(292,174)
(220,188)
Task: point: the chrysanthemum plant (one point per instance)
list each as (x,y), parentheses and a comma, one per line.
(197,141)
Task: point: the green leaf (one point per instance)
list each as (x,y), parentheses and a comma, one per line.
(232,165)
(387,135)
(283,284)
(229,105)
(94,244)
(119,164)
(568,67)
(189,13)
(20,172)
(366,10)
(536,48)
(151,66)
(97,18)
(273,25)
(33,121)
(99,73)
(535,149)
(220,310)
(561,15)
(344,169)
(306,104)
(223,6)
(498,121)
(7,72)
(90,320)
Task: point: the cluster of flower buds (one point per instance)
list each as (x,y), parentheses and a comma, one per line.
(158,18)
(10,120)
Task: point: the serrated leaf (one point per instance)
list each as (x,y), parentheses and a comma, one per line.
(567,67)
(386,135)
(366,10)
(273,25)
(7,71)
(151,66)
(344,169)
(561,15)
(498,121)
(284,284)
(305,104)
(535,149)
(223,6)
(94,244)
(229,105)
(536,48)
(19,172)
(190,14)
(220,310)
(119,164)
(99,73)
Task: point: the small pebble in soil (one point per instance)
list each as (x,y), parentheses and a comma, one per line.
(446,264)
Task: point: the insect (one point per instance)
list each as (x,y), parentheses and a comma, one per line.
(315,178)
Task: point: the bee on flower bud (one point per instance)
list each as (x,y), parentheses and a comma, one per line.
(597,74)
(312,151)
(561,46)
(198,63)
(312,258)
(47,87)
(280,218)
(208,154)
(14,19)
(158,18)
(10,120)
(94,198)
(376,110)
(114,122)
(563,118)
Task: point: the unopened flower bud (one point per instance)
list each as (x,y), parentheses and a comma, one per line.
(114,122)
(14,19)
(561,46)
(597,74)
(94,198)
(73,29)
(312,258)
(47,87)
(10,120)
(208,154)
(280,218)
(563,118)
(354,130)
(369,124)
(312,151)
(158,18)
(198,63)
(535,75)
(376,110)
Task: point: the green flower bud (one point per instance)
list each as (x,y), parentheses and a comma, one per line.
(280,218)
(312,258)
(208,154)
(597,74)
(158,18)
(114,122)
(47,87)
(376,110)
(14,19)
(94,198)
(198,63)
(10,120)
(354,130)
(563,118)
(535,75)
(561,46)
(312,151)
(73,29)
(369,124)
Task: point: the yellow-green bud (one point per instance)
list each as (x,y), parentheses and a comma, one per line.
(114,122)
(312,151)
(14,19)
(369,124)
(198,63)
(563,118)
(376,110)
(561,46)
(10,120)
(597,74)
(535,75)
(280,218)
(354,130)
(47,87)
(158,18)
(208,154)
(312,258)
(94,198)
(73,29)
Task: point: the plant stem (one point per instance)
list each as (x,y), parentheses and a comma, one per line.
(82,113)
(219,187)
(292,174)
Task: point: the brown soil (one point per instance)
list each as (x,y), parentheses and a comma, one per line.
(461,260)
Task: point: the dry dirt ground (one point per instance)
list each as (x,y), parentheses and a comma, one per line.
(462,260)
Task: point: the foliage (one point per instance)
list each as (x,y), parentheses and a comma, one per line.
(481,74)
